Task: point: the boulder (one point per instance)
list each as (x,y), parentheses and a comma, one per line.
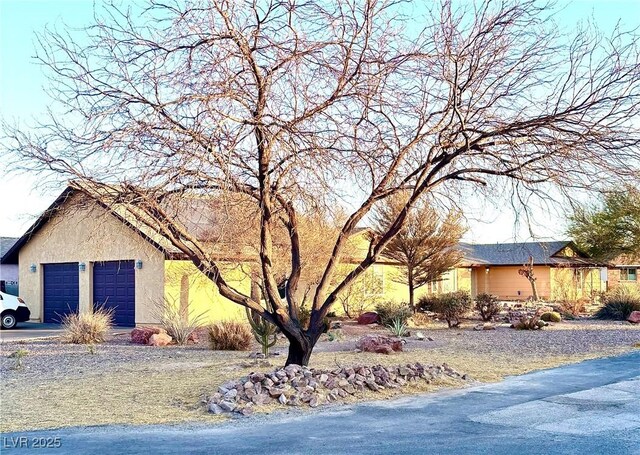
(379,344)
(141,335)
(159,339)
(634,317)
(370,317)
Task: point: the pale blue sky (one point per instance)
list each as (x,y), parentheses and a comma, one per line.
(22,97)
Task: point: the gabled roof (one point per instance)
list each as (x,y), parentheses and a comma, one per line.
(543,253)
(6,243)
(11,255)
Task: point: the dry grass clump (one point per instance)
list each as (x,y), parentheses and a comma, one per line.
(229,336)
(87,328)
(180,322)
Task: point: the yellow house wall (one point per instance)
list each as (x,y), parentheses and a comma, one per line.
(88,235)
(572,284)
(505,282)
(203,296)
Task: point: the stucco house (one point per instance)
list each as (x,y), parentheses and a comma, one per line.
(562,271)
(624,271)
(80,254)
(8,269)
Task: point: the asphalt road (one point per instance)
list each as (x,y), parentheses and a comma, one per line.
(587,408)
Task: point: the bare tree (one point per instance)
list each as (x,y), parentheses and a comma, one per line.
(295,104)
(528,272)
(426,246)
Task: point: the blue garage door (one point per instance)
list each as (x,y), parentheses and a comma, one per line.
(60,290)
(114,286)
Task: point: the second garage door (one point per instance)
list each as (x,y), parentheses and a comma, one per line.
(114,286)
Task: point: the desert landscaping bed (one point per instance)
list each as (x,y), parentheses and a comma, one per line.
(65,385)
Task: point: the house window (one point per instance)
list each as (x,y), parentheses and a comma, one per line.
(628,274)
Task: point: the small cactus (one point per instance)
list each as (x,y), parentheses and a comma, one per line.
(551,316)
(263,331)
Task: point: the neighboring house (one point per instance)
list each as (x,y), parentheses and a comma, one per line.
(562,271)
(624,271)
(9,269)
(81,254)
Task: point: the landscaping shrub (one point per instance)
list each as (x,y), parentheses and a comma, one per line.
(418,320)
(452,306)
(618,307)
(572,308)
(390,311)
(87,328)
(397,327)
(304,316)
(487,305)
(426,302)
(180,321)
(229,336)
(529,323)
(551,316)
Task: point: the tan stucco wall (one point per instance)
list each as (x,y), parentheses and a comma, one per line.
(505,282)
(90,234)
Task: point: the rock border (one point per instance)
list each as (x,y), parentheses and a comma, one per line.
(294,385)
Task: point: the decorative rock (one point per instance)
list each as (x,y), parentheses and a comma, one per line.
(159,339)
(227,406)
(247,410)
(141,335)
(215,409)
(634,317)
(370,317)
(419,336)
(282,399)
(379,344)
(231,394)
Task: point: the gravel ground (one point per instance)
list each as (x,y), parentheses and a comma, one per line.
(51,359)
(126,383)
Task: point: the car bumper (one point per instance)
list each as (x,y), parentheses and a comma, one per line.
(22,314)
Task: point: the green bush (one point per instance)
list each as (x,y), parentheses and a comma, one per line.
(618,307)
(487,305)
(551,316)
(452,306)
(391,311)
(426,302)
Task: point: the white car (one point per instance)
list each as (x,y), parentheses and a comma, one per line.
(12,310)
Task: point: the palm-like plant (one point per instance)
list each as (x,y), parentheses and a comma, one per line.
(397,327)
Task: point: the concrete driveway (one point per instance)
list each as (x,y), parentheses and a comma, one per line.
(587,408)
(24,331)
(30,331)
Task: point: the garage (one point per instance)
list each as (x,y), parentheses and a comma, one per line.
(114,288)
(60,290)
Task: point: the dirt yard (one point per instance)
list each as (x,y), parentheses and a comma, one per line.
(67,385)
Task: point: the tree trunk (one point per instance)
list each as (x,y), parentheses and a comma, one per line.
(534,288)
(300,347)
(411,291)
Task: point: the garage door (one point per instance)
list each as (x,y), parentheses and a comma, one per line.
(60,290)
(114,286)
